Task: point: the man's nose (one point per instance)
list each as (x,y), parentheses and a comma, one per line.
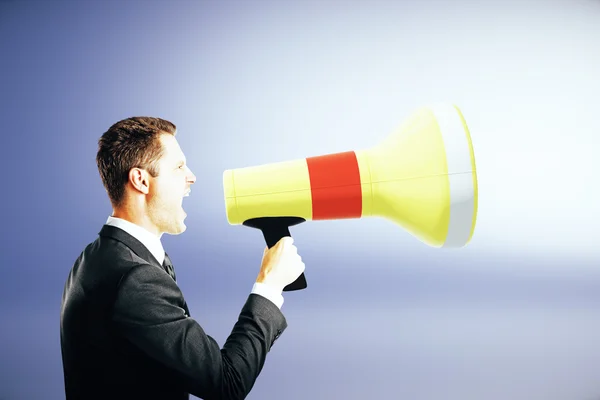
(191,176)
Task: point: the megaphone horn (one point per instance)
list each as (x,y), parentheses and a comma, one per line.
(422,177)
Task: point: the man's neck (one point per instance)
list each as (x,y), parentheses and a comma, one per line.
(136,218)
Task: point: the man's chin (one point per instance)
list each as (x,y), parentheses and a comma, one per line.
(177,230)
(180,229)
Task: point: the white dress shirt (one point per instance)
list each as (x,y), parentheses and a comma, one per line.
(154,245)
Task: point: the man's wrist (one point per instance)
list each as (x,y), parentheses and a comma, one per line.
(269,292)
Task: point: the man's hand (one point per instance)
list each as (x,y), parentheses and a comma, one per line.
(281,264)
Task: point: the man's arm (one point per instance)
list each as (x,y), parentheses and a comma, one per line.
(147,312)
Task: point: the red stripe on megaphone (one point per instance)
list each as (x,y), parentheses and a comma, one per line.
(335,186)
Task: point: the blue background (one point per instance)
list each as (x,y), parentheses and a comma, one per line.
(514,315)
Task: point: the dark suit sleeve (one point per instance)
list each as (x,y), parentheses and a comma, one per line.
(148,313)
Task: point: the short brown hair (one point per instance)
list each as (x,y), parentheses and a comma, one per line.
(130,143)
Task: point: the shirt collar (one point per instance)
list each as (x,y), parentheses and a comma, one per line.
(147,238)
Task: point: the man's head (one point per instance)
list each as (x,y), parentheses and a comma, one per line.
(144,172)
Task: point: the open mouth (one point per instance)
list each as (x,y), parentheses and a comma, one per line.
(186,194)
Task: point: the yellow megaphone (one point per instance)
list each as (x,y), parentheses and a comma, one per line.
(422,177)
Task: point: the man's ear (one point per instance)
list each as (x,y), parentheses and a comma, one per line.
(139,179)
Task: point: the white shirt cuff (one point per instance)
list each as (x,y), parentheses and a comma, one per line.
(267,292)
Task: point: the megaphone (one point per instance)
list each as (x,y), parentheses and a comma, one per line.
(421,177)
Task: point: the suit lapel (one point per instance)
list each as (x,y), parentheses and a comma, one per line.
(135,245)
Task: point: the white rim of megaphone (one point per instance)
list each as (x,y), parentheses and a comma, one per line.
(460,174)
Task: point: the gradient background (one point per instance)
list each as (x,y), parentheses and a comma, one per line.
(514,315)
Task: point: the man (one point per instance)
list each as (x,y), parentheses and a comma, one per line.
(126,330)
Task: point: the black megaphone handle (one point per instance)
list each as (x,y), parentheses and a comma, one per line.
(273,229)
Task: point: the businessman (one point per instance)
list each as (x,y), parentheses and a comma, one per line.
(125,328)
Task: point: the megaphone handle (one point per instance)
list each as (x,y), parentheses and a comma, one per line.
(273,229)
(272,235)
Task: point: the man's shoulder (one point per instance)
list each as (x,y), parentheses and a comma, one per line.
(111,253)
(104,261)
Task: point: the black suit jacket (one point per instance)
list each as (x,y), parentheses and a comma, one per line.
(126,331)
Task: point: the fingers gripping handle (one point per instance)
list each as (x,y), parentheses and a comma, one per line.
(273,229)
